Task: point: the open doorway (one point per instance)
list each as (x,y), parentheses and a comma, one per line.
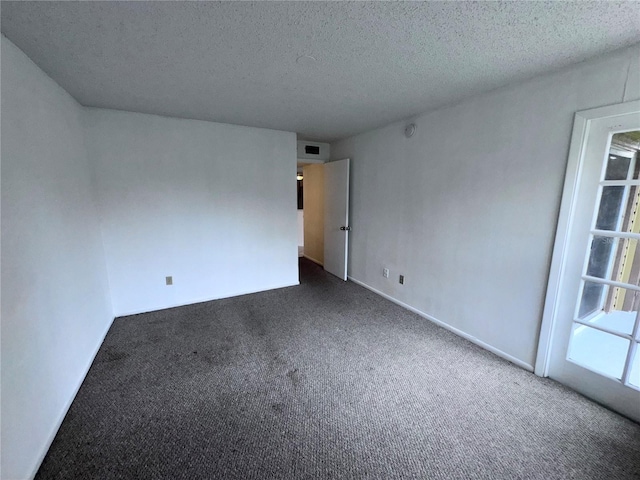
(325,215)
(310,191)
(311,217)
(323,220)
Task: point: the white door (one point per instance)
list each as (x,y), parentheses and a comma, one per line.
(336,217)
(591,331)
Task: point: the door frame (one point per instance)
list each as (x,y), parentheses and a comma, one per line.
(579,137)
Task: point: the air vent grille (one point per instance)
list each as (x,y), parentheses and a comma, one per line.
(312,150)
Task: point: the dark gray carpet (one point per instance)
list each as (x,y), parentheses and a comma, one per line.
(324,380)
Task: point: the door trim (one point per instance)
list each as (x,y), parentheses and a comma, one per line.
(568,206)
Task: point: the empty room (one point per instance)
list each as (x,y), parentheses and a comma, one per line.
(314,240)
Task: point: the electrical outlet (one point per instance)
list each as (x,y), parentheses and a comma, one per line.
(401,279)
(169,280)
(385,272)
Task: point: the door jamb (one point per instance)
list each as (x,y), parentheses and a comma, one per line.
(568,205)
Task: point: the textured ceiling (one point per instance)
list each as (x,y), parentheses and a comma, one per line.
(374,62)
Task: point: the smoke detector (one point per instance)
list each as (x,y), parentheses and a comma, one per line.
(409,130)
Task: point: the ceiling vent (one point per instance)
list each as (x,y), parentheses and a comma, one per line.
(313,151)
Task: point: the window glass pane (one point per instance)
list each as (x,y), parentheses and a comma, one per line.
(617,167)
(598,351)
(626,142)
(634,374)
(592,299)
(609,211)
(619,310)
(600,257)
(636,169)
(631,211)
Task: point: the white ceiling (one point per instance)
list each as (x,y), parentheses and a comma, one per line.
(374,62)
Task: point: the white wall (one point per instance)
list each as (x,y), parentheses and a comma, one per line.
(467,208)
(55,304)
(210,204)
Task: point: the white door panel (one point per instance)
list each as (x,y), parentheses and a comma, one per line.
(336,217)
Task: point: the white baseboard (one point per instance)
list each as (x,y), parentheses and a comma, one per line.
(201,300)
(457,331)
(313,259)
(56,427)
